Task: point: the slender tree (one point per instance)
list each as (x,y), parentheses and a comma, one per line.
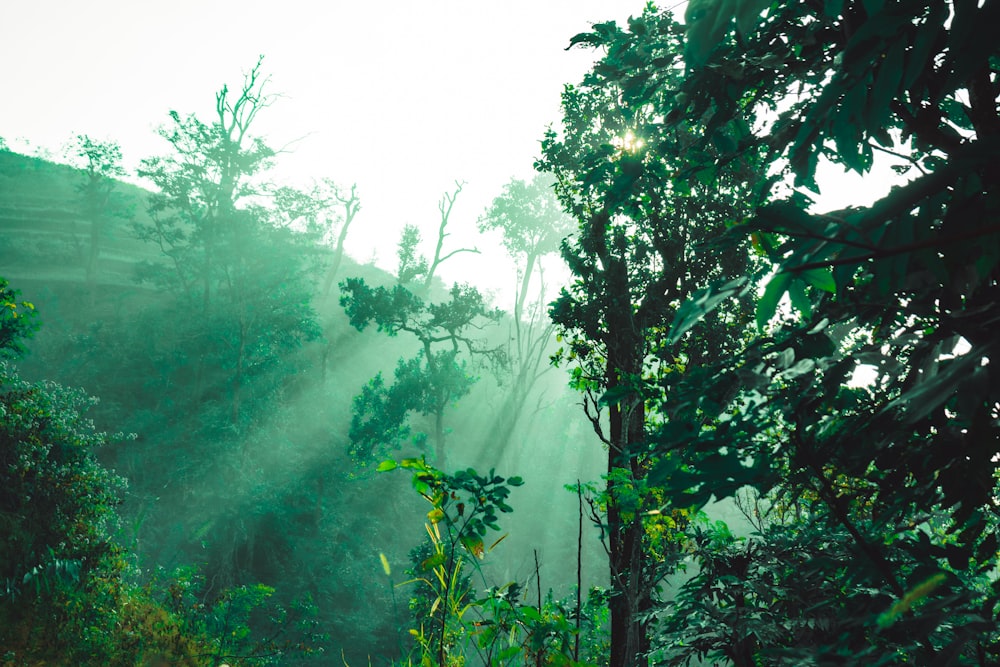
(532,224)
(641,218)
(427,383)
(101,163)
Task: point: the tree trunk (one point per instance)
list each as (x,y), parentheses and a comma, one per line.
(439,448)
(629,595)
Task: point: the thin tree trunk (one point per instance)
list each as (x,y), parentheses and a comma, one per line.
(629,645)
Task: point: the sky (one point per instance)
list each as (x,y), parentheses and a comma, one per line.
(402,98)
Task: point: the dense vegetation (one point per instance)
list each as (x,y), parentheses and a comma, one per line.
(828,373)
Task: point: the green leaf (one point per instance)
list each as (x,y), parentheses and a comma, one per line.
(387,465)
(833,8)
(702,303)
(847,127)
(890,74)
(707,22)
(917,58)
(433,561)
(797,294)
(820,278)
(768,303)
(509,652)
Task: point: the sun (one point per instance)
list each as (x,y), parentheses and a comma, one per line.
(628,143)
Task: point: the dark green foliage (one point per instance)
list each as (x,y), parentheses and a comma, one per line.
(244,623)
(63,592)
(426,384)
(642,219)
(56,499)
(906,287)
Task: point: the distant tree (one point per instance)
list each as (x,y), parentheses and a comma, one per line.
(410,265)
(413,265)
(102,164)
(350,203)
(195,217)
(228,252)
(532,224)
(327,211)
(444,208)
(426,384)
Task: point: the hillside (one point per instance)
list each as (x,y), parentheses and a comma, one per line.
(274,498)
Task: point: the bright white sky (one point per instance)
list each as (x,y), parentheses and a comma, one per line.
(401,97)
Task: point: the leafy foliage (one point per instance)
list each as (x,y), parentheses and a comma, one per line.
(905,287)
(498,627)
(635,258)
(242,263)
(16,321)
(425,384)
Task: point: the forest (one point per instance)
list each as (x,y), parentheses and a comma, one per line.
(718,425)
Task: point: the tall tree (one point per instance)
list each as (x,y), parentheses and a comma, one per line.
(904,467)
(101,162)
(642,217)
(532,224)
(228,252)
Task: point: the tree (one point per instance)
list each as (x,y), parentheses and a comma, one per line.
(194,216)
(426,384)
(228,252)
(532,224)
(412,265)
(905,467)
(641,219)
(327,211)
(101,165)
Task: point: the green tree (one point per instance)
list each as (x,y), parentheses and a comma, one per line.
(642,217)
(236,261)
(426,384)
(413,265)
(905,287)
(532,224)
(101,164)
(410,265)
(327,210)
(195,219)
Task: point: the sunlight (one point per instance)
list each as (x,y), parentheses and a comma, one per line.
(628,143)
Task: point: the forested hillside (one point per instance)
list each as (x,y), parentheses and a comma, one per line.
(247,489)
(744,430)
